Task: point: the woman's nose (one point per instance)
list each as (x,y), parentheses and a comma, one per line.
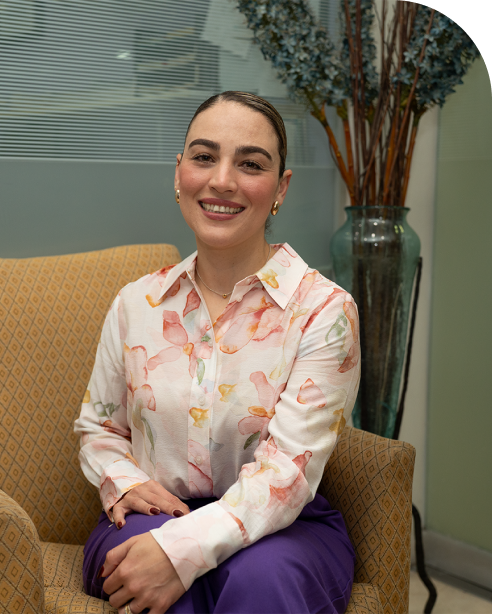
(223,177)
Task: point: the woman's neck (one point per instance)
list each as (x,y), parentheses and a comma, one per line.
(221,269)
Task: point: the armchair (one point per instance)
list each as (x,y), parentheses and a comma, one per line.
(51,313)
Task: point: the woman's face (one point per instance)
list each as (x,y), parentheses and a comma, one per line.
(228,176)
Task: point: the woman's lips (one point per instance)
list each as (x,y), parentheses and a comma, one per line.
(219,209)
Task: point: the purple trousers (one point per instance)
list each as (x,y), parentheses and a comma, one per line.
(307,567)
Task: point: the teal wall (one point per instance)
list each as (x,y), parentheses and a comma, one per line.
(459,486)
(50,207)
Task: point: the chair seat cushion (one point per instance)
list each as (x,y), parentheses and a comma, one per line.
(62,601)
(64,592)
(364,600)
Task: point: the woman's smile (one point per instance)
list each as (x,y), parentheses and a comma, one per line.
(220,209)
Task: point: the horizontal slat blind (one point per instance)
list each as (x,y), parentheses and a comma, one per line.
(120,79)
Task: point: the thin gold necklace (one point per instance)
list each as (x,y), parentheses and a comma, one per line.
(229,293)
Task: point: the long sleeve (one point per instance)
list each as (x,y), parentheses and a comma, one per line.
(297,423)
(106,450)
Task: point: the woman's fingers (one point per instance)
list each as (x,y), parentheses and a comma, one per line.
(149,498)
(134,607)
(168,503)
(144,577)
(119,513)
(132,504)
(113,559)
(155,496)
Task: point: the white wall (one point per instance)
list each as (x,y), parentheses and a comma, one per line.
(421,201)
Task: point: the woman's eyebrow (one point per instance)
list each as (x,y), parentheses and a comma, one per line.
(206,143)
(245,150)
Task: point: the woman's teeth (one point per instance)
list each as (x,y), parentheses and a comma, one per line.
(220,209)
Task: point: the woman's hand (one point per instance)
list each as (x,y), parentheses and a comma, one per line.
(141,573)
(149,498)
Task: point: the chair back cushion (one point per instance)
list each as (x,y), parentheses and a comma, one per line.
(51,314)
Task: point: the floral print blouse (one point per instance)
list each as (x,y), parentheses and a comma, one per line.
(247,409)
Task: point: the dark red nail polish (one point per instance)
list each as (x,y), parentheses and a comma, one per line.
(101,571)
(155,511)
(120,524)
(177,513)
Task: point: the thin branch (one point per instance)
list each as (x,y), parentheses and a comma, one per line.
(320,115)
(377,140)
(414,85)
(408,160)
(360,62)
(355,97)
(389,159)
(342,112)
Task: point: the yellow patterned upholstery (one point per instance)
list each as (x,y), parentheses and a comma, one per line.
(51,313)
(364,600)
(64,592)
(369,480)
(21,563)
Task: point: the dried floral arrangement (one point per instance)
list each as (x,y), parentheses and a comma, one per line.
(424,55)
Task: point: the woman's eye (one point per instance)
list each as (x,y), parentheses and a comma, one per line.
(250,164)
(203,158)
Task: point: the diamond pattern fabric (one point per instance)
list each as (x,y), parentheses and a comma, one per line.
(364,600)
(51,313)
(369,480)
(62,566)
(21,569)
(64,592)
(63,601)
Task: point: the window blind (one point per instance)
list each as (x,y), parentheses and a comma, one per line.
(120,79)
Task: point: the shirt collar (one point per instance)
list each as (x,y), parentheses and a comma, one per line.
(186,265)
(280,276)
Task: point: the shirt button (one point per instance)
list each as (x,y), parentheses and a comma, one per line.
(202,401)
(198,460)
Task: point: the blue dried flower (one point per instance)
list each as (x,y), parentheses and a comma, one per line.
(448,55)
(299,48)
(314,71)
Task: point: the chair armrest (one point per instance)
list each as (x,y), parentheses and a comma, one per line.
(364,600)
(21,562)
(369,480)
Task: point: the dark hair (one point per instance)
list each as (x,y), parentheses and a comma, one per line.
(256,104)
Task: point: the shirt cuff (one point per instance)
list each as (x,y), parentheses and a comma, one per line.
(116,480)
(199,541)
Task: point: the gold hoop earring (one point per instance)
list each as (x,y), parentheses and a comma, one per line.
(176,195)
(275,208)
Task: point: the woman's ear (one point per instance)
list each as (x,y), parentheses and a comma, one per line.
(283,186)
(179,157)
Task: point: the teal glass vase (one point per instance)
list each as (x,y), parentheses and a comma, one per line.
(375,256)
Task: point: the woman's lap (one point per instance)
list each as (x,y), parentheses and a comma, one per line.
(304,568)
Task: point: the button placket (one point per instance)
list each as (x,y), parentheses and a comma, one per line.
(201,406)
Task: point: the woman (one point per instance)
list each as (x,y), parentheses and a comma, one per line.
(223,381)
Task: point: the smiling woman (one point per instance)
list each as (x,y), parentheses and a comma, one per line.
(230,377)
(228,179)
